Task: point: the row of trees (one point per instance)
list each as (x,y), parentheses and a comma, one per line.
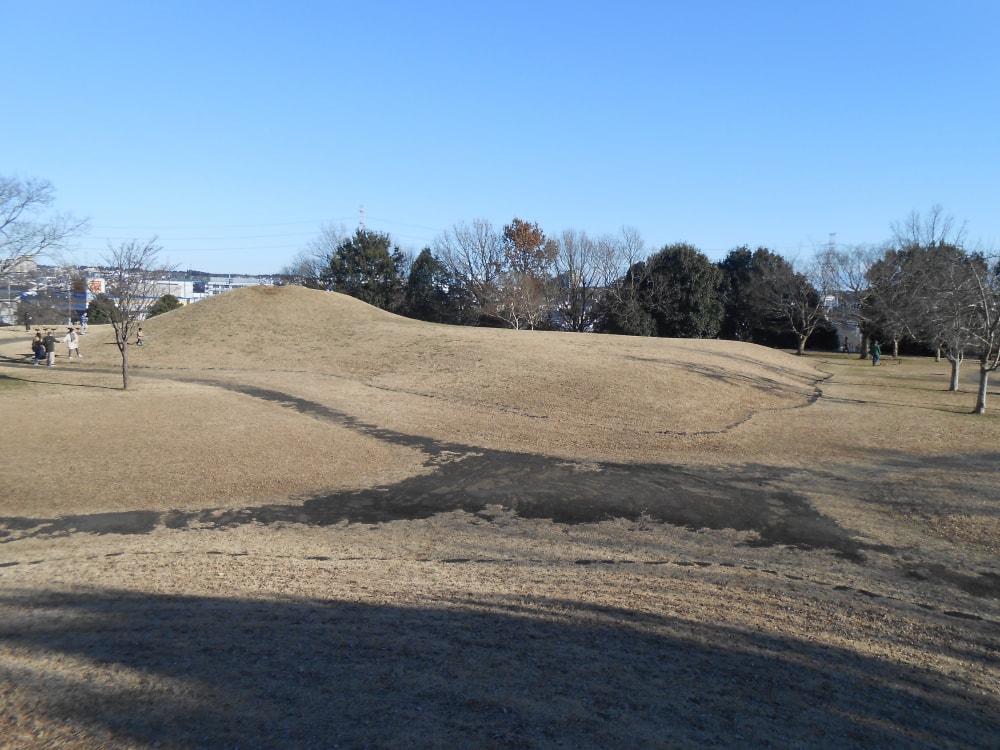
(518,277)
(921,287)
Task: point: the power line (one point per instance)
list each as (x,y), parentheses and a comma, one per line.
(220,226)
(225,237)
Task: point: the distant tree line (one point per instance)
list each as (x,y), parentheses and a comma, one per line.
(922,289)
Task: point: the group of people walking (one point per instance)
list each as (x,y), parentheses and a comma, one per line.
(44,347)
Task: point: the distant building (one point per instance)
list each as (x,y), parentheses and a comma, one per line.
(220,284)
(839,309)
(182,289)
(53,284)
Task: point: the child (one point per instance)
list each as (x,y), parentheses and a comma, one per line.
(72,342)
(38,348)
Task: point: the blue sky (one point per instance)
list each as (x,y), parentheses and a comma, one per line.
(235,130)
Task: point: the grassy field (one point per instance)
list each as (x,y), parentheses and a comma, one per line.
(314,524)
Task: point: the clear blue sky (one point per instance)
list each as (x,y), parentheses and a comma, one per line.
(235,130)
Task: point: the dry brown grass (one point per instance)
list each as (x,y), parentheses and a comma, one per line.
(218,628)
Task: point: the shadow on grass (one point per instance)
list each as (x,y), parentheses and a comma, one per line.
(526,672)
(11,381)
(534,487)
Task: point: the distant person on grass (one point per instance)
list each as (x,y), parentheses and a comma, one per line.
(72,341)
(138,337)
(49,342)
(83,323)
(876,355)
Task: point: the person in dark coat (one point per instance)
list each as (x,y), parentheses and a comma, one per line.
(49,342)
(38,348)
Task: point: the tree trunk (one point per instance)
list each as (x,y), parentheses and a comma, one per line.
(865,346)
(802,345)
(984,380)
(124,351)
(956,364)
(937,354)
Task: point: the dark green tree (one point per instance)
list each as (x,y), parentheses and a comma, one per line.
(434,295)
(685,293)
(367,266)
(164,304)
(624,307)
(740,321)
(100,309)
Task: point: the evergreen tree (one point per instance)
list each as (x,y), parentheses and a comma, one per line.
(166,303)
(434,295)
(368,267)
(685,293)
(740,321)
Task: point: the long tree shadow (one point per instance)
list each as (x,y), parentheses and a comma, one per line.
(533,486)
(179,671)
(463,477)
(536,486)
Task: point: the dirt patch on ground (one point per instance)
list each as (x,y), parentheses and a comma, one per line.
(442,537)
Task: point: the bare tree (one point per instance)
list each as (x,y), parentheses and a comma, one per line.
(925,286)
(578,277)
(474,255)
(846,278)
(134,279)
(786,299)
(936,228)
(945,285)
(586,269)
(526,289)
(311,267)
(986,324)
(305,269)
(620,255)
(890,306)
(25,232)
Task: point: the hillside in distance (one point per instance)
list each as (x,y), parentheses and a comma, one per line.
(549,383)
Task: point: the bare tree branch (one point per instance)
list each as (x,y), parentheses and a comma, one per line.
(134,282)
(25,234)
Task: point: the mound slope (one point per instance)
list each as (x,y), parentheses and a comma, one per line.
(189,435)
(582,382)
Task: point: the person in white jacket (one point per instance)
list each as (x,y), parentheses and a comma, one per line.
(72,341)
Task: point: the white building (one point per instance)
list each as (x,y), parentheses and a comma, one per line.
(220,284)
